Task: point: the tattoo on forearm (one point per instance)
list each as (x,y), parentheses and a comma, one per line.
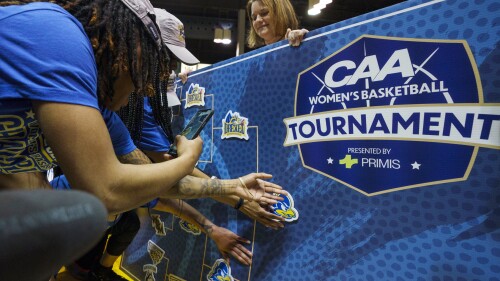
(184,188)
(213,187)
(136,157)
(190,187)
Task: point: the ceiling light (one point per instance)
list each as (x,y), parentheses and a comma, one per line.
(226,38)
(218,35)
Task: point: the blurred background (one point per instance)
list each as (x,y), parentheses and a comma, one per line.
(201,18)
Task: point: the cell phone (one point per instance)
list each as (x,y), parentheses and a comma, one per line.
(193,128)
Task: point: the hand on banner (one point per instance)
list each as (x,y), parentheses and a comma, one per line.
(184,75)
(296,36)
(255,211)
(252,187)
(229,243)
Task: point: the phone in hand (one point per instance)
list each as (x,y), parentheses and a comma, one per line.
(193,128)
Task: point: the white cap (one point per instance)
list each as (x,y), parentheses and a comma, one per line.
(172,34)
(143,9)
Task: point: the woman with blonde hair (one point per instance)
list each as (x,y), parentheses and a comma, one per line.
(272,21)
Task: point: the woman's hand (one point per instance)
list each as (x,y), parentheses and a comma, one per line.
(189,148)
(252,187)
(296,36)
(255,211)
(229,243)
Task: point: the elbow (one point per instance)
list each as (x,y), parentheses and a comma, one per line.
(113,203)
(113,200)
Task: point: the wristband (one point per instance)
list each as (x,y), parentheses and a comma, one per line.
(239,204)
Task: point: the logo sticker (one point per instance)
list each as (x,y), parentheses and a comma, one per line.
(150,271)
(385,113)
(158,225)
(189,227)
(286,208)
(155,252)
(234,126)
(195,96)
(220,271)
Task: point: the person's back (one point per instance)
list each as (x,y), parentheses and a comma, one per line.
(58,67)
(46,57)
(32,65)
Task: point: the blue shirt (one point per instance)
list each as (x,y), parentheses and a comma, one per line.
(120,137)
(45,55)
(153,138)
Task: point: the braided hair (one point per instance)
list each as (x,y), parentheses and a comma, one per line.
(132,115)
(161,111)
(120,42)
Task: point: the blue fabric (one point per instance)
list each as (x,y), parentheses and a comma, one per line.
(120,137)
(153,138)
(45,55)
(60,183)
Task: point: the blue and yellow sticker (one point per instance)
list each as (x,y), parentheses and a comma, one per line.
(189,227)
(286,208)
(220,271)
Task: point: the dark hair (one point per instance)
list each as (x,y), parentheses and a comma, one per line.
(117,36)
(132,115)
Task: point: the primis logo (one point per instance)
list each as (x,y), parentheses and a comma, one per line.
(384,114)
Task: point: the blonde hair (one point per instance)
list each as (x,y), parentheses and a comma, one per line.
(284,17)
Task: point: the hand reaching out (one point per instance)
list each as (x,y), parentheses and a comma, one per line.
(229,243)
(255,211)
(252,187)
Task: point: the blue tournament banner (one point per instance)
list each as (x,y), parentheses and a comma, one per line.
(366,106)
(384,128)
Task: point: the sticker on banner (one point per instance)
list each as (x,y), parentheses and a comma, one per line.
(234,126)
(158,225)
(286,208)
(189,227)
(195,96)
(155,252)
(149,270)
(220,271)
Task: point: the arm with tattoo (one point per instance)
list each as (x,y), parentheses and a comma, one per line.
(228,242)
(136,157)
(251,187)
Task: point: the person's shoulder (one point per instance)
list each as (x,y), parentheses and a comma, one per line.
(43,38)
(36,9)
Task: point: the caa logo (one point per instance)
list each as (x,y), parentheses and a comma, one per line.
(384,114)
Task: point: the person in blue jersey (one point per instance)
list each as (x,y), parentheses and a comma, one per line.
(98,262)
(58,70)
(154,138)
(154,142)
(60,63)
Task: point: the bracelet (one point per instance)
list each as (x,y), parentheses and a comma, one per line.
(239,204)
